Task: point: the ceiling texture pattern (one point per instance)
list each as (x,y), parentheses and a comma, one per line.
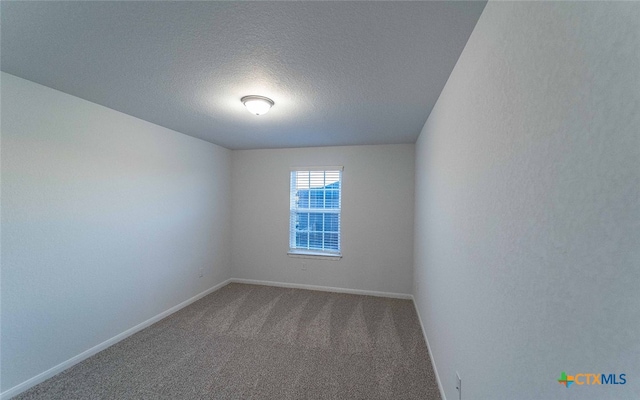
(340,73)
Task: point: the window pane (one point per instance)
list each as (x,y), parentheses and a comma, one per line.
(315,240)
(302,239)
(303,199)
(316,198)
(302,180)
(315,222)
(332,178)
(332,199)
(316,179)
(331,241)
(330,222)
(302,222)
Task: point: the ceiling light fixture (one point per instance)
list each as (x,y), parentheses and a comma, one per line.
(257,105)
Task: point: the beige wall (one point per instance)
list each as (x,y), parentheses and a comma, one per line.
(377,217)
(106,222)
(527,244)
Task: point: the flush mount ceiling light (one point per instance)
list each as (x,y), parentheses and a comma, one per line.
(257,105)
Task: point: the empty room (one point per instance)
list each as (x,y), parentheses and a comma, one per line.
(430,200)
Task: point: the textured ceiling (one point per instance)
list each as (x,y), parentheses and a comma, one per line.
(340,73)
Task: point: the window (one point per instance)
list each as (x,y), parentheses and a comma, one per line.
(314,218)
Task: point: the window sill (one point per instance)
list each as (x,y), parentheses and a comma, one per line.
(317,256)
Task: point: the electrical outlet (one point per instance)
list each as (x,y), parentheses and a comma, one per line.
(304,265)
(459,385)
(201,272)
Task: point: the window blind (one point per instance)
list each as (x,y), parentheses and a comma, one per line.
(315,208)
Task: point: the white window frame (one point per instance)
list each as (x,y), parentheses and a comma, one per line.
(294,210)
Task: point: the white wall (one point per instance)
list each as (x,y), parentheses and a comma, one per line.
(106,221)
(377,217)
(527,250)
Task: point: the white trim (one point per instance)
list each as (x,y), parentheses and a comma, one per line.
(29,383)
(334,168)
(325,288)
(317,256)
(433,361)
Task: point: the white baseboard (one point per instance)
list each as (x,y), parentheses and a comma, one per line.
(95,349)
(325,288)
(433,361)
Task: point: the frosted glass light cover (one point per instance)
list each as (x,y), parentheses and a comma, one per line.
(257,105)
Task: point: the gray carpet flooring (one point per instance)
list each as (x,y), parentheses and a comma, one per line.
(259,342)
